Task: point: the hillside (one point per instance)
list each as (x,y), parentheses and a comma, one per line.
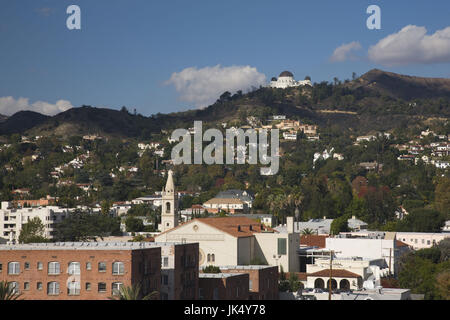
(21,121)
(3,118)
(377,100)
(402,86)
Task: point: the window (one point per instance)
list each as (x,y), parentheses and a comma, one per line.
(428,242)
(53,288)
(167,207)
(216,294)
(53,267)
(74,268)
(213,257)
(26,286)
(282,246)
(423,241)
(88,266)
(116,288)
(250,284)
(14,286)
(1,267)
(102,267)
(27,265)
(40,265)
(165,279)
(13,268)
(101,287)
(200,293)
(73,288)
(88,286)
(165,262)
(209,258)
(39,286)
(118,267)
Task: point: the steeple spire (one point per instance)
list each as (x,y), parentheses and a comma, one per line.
(170,187)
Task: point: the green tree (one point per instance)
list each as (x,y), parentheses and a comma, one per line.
(339,225)
(33,231)
(211,269)
(7,292)
(134,293)
(134,224)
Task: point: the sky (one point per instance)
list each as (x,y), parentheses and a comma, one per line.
(168,56)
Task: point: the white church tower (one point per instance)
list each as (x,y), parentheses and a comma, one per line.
(169,207)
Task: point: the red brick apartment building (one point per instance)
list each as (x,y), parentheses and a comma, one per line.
(223,286)
(79,271)
(263,280)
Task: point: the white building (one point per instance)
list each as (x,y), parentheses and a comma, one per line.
(286,80)
(169,209)
(237,241)
(12,220)
(421,240)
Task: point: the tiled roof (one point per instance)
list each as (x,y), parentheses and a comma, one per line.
(336,273)
(224,201)
(399,243)
(230,225)
(312,240)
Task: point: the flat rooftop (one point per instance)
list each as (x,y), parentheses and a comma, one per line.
(217,275)
(105,245)
(252,267)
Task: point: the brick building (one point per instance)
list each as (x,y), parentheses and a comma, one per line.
(263,280)
(223,286)
(79,271)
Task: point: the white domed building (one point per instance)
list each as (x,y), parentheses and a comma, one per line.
(286,80)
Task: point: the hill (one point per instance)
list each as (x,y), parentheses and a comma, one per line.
(402,86)
(3,118)
(21,121)
(378,100)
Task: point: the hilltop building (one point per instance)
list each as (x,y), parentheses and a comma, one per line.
(286,80)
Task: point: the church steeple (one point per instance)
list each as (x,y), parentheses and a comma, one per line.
(170,187)
(169,209)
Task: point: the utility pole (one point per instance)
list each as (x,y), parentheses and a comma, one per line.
(390,257)
(331,274)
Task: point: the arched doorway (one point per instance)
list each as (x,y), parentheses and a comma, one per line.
(319,283)
(333,284)
(344,285)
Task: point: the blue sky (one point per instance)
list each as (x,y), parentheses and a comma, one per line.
(126,51)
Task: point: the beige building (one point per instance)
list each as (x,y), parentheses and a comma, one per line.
(237,241)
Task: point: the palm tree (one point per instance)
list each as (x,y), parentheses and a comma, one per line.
(134,293)
(7,292)
(307,231)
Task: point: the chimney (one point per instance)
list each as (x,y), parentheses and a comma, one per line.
(324,217)
(290,224)
(354,217)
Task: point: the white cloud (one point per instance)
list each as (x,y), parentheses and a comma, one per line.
(345,52)
(412,45)
(203,87)
(9,106)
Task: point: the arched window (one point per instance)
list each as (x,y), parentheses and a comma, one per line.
(116,288)
(53,288)
(344,284)
(13,268)
(209,258)
(53,267)
(319,283)
(167,207)
(73,288)
(213,258)
(74,268)
(118,268)
(14,287)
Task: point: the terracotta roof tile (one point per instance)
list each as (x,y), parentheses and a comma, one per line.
(312,240)
(338,273)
